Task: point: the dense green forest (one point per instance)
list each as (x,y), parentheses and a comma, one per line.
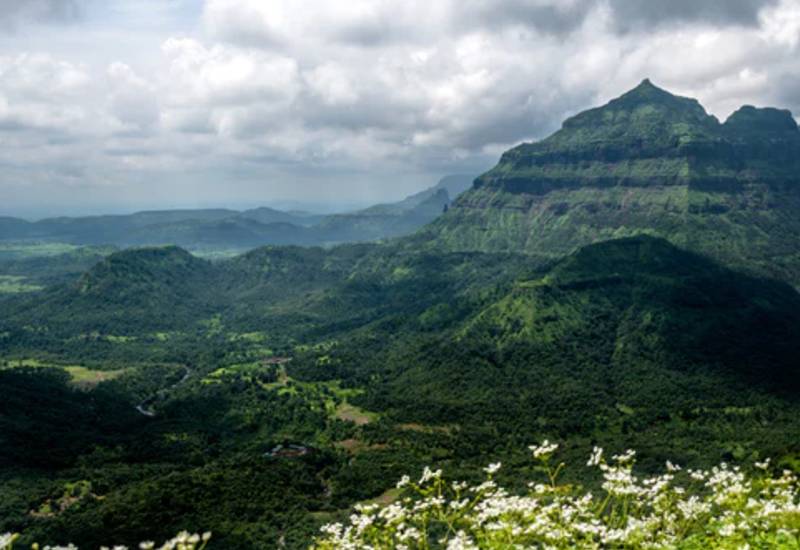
(372,362)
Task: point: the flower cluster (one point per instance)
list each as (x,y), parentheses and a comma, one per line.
(718,508)
(184,541)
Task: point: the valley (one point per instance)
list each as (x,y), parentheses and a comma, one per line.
(628,283)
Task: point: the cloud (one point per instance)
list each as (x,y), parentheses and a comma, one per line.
(133,101)
(637,14)
(17,12)
(41,91)
(369,96)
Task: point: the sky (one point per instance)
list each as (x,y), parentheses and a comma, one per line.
(121,105)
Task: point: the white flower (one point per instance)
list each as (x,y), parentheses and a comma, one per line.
(7,540)
(762,465)
(461,542)
(625,457)
(492,468)
(544,450)
(596,457)
(428,474)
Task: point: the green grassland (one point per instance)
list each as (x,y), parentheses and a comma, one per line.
(80,376)
(16,251)
(13,284)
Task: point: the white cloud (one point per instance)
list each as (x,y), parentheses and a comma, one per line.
(41,91)
(133,100)
(372,90)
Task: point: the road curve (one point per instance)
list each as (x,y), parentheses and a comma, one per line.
(145,407)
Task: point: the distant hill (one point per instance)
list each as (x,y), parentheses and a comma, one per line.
(216,229)
(385,220)
(131,290)
(270,215)
(647,162)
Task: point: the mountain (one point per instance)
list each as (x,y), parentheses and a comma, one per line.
(647,162)
(235,232)
(498,325)
(451,358)
(453,185)
(384,221)
(15,226)
(136,289)
(270,215)
(51,267)
(222,229)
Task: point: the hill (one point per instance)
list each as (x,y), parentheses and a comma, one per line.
(147,288)
(647,162)
(629,342)
(385,220)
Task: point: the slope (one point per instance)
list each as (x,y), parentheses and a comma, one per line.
(621,337)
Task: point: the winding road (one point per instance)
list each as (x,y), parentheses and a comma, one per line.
(145,407)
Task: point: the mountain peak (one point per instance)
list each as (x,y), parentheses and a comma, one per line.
(751,119)
(645,104)
(648,91)
(646,86)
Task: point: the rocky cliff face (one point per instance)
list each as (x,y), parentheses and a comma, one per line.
(647,162)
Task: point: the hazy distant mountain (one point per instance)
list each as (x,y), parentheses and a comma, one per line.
(231,229)
(270,215)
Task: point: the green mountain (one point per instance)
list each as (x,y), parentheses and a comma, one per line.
(647,162)
(626,342)
(137,289)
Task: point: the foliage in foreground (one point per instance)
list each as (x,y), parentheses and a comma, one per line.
(720,508)
(184,541)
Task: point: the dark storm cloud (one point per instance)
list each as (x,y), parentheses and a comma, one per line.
(630,14)
(627,15)
(551,18)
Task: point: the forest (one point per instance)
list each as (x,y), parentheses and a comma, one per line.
(287,385)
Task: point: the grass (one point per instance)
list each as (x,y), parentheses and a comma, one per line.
(87,379)
(17,251)
(14,284)
(328,396)
(81,377)
(387,497)
(350,413)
